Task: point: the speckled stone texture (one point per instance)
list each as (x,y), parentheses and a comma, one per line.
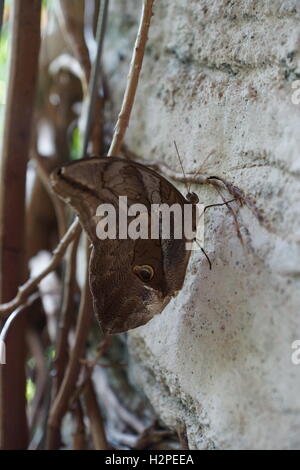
(218,77)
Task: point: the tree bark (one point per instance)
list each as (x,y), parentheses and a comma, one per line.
(16,141)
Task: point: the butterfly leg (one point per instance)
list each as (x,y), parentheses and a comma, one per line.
(225,203)
(205,254)
(237,198)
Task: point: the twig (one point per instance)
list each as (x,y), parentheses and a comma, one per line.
(89,369)
(62,355)
(61,402)
(79,427)
(101,26)
(56,202)
(8,323)
(88,372)
(95,417)
(133,78)
(36,348)
(30,286)
(70,16)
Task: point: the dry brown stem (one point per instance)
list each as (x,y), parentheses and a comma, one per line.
(133,78)
(61,402)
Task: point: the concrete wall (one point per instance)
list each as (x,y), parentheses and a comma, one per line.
(218,76)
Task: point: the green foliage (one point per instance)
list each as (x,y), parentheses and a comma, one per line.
(30,390)
(50,354)
(4,54)
(75,144)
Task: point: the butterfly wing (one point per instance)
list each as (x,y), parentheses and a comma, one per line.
(122,300)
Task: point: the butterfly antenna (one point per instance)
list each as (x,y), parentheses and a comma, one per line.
(205,254)
(181,164)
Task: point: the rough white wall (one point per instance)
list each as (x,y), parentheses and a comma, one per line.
(218,76)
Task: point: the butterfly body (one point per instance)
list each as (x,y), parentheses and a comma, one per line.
(131,280)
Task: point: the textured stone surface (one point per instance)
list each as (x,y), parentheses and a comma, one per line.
(218,76)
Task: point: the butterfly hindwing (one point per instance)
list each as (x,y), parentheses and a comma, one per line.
(122,298)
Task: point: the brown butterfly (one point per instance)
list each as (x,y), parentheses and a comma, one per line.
(131,280)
